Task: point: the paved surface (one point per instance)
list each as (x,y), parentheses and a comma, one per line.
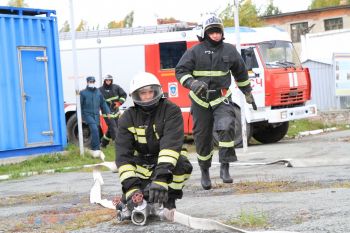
(310,197)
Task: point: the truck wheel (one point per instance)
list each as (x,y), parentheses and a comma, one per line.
(238,130)
(72,131)
(270,133)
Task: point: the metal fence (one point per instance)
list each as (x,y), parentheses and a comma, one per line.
(323,87)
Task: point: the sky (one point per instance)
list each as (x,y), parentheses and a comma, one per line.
(145,12)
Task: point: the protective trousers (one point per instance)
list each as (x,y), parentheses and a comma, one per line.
(219,118)
(94,123)
(181,173)
(111,133)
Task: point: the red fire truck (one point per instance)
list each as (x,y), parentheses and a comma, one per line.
(281,86)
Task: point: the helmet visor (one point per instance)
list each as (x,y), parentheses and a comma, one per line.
(147,96)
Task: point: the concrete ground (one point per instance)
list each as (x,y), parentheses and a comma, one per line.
(310,197)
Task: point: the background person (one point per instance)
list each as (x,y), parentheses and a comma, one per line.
(206,70)
(114,96)
(91,101)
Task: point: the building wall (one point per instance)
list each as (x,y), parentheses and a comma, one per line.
(316,17)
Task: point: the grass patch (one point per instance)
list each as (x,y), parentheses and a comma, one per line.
(58,161)
(250,219)
(279,186)
(297,126)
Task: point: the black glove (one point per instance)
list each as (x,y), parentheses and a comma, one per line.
(157,193)
(199,88)
(250,99)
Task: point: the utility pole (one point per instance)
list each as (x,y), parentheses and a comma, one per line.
(76,79)
(242,99)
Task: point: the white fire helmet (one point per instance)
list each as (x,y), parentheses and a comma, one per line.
(211,21)
(145,81)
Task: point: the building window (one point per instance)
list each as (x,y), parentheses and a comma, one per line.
(170,53)
(297,29)
(333,24)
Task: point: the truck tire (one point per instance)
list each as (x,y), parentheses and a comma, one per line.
(72,131)
(270,133)
(238,130)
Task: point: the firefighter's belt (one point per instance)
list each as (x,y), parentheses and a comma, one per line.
(214,97)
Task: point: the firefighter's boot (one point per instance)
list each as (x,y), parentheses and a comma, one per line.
(104,142)
(225,173)
(205,180)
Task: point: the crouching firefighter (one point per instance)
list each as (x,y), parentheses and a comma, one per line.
(114,96)
(206,70)
(152,163)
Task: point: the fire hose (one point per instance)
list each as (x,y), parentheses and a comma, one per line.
(139,215)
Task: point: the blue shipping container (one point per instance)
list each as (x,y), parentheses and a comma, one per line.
(31,97)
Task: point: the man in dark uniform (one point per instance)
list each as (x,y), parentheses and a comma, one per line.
(115,96)
(206,70)
(91,102)
(149,153)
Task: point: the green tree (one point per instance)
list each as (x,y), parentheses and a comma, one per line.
(129,19)
(82,26)
(66,27)
(115,24)
(248,15)
(272,9)
(315,4)
(17,3)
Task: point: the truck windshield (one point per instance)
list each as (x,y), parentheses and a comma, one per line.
(278,54)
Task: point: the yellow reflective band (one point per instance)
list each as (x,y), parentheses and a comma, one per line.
(115,115)
(184,153)
(140,131)
(126,167)
(112,98)
(210,73)
(143,171)
(243,84)
(142,140)
(126,175)
(128,193)
(167,159)
(184,78)
(139,175)
(176,186)
(155,131)
(168,152)
(220,99)
(227,144)
(178,178)
(163,184)
(205,158)
(187,176)
(121,99)
(198,100)
(132,130)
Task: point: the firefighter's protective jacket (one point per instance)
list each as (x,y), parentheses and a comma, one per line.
(213,65)
(113,94)
(155,138)
(91,101)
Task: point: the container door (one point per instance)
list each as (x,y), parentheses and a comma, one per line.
(35,96)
